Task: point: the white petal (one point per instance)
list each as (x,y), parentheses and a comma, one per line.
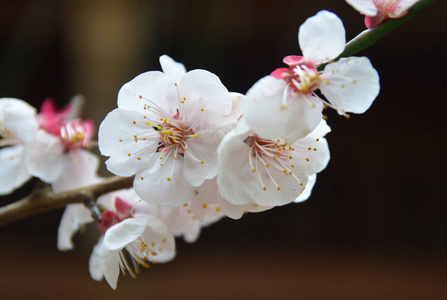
(46,157)
(321,130)
(111,268)
(203,148)
(206,100)
(265,114)
(13,169)
(204,206)
(166,214)
(161,240)
(322,37)
(236,108)
(75,215)
(187,225)
(153,186)
(116,138)
(121,234)
(172,68)
(366,7)
(316,156)
(95,262)
(19,118)
(80,170)
(153,86)
(237,211)
(350,84)
(308,190)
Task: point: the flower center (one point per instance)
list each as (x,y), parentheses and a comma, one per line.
(266,154)
(387,6)
(173,135)
(303,79)
(77,134)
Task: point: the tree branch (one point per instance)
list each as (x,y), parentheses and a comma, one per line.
(46,200)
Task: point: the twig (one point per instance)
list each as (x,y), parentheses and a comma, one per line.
(46,200)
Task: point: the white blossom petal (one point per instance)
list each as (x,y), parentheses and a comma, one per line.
(202,149)
(46,156)
(117,139)
(121,234)
(154,187)
(80,167)
(13,169)
(237,211)
(19,118)
(75,215)
(317,155)
(111,267)
(206,100)
(366,7)
(161,239)
(267,115)
(350,84)
(170,67)
(95,262)
(153,86)
(307,190)
(322,37)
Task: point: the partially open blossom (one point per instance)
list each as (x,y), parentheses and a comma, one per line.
(377,11)
(166,132)
(132,237)
(18,125)
(144,239)
(135,235)
(59,156)
(286,104)
(268,172)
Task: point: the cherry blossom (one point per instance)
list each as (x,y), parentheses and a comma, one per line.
(59,156)
(144,239)
(166,132)
(268,172)
(377,11)
(133,235)
(18,125)
(286,104)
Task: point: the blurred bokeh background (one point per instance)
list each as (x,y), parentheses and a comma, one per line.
(375,226)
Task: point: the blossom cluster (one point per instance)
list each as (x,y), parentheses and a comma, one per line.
(197,151)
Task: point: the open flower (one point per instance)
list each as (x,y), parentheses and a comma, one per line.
(377,11)
(135,234)
(18,125)
(286,104)
(268,172)
(166,132)
(144,239)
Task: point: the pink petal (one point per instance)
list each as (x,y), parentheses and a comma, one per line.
(372,22)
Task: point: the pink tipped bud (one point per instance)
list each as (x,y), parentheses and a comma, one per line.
(108,219)
(123,209)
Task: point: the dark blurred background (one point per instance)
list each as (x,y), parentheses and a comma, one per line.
(375,226)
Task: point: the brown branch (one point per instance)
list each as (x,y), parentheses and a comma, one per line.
(46,200)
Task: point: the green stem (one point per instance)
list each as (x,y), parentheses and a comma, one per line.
(369,37)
